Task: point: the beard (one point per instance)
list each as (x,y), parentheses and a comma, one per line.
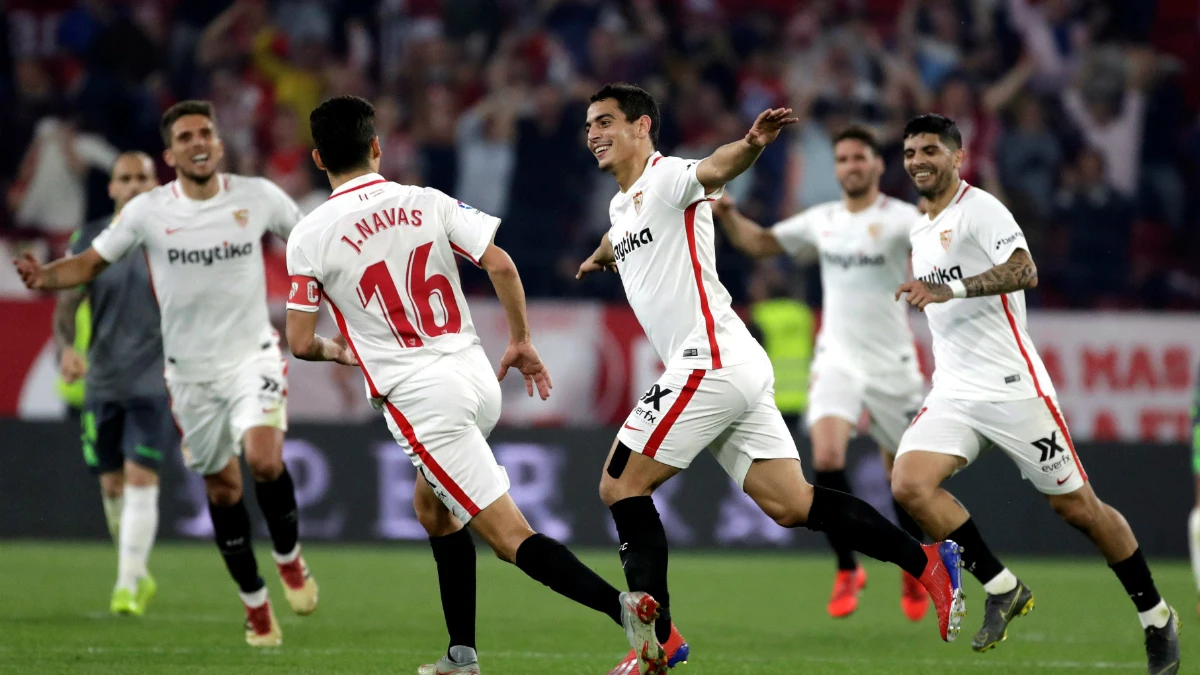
(198,179)
(939,186)
(856,193)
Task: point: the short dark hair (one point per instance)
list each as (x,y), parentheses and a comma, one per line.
(633,102)
(182,109)
(933,123)
(342,129)
(860,133)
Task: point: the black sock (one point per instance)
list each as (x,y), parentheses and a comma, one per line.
(455,557)
(865,530)
(548,561)
(976,556)
(907,523)
(277,499)
(1135,576)
(836,480)
(644,554)
(231,529)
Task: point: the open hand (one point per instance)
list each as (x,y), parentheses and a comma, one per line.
(523,357)
(344,355)
(921,294)
(768,125)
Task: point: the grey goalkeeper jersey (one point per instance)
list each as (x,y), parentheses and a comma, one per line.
(125,357)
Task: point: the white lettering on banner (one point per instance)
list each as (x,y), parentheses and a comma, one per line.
(397,520)
(741,521)
(677,528)
(310,474)
(533,472)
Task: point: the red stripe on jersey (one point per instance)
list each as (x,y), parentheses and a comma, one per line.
(419,450)
(964,194)
(173,190)
(225,183)
(359,187)
(341,324)
(656,160)
(689,223)
(1062,426)
(463,253)
(660,432)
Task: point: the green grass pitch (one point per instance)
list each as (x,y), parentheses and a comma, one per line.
(379,613)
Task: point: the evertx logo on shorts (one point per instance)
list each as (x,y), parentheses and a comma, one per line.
(207,256)
(631,242)
(941,276)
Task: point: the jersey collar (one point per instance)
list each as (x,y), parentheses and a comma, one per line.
(358,184)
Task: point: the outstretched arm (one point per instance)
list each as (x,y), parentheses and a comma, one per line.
(746,235)
(729,161)
(1016,274)
(520,353)
(73,270)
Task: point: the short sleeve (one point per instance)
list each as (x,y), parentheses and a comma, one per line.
(795,233)
(675,182)
(283,211)
(305,293)
(470,230)
(124,232)
(997,232)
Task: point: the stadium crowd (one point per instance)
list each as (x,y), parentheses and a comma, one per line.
(1080,114)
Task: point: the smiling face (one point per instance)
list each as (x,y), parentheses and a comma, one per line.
(612,139)
(932,165)
(857,167)
(195,149)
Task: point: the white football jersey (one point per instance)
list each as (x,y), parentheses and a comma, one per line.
(383,255)
(864,257)
(206,267)
(981,349)
(662,234)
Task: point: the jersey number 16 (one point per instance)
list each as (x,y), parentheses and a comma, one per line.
(377,282)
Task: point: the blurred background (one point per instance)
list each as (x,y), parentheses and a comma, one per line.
(1081,115)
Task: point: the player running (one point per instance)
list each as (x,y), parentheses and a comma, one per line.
(202,236)
(127,423)
(382,254)
(865,357)
(991,388)
(718,388)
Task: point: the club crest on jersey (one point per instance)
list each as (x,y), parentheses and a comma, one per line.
(637,202)
(874,229)
(944,236)
(241,217)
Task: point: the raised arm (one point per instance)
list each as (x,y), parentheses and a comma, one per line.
(73,270)
(520,353)
(1016,274)
(730,161)
(746,235)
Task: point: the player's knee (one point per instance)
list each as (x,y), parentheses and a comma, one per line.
(828,457)
(1081,511)
(434,516)
(264,466)
(112,485)
(910,491)
(224,495)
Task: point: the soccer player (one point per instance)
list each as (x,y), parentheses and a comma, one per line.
(382,254)
(971,266)
(202,236)
(1194,518)
(718,388)
(127,423)
(865,356)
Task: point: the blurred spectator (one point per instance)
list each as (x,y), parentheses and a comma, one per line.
(486,148)
(1097,219)
(1030,158)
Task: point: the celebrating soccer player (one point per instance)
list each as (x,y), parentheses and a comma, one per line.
(202,235)
(718,388)
(971,266)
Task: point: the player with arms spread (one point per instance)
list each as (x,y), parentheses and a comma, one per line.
(382,255)
(971,266)
(127,423)
(202,237)
(718,388)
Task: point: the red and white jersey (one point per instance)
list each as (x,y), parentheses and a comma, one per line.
(383,255)
(206,266)
(662,235)
(864,257)
(981,349)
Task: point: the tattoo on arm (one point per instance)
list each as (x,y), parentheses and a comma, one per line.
(1017,274)
(64,316)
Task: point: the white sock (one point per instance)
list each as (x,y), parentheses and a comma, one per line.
(112,516)
(1157,617)
(1002,583)
(1194,543)
(285,558)
(139,524)
(255,599)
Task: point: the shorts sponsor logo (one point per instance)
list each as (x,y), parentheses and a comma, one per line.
(631,242)
(1051,448)
(654,395)
(208,256)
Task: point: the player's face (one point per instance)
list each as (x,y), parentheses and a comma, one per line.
(610,137)
(195,150)
(132,175)
(857,167)
(932,165)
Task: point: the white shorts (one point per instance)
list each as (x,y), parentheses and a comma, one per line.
(1031,431)
(730,411)
(442,417)
(891,400)
(214,416)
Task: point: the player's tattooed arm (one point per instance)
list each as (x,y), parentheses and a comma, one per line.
(64,316)
(731,160)
(1016,274)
